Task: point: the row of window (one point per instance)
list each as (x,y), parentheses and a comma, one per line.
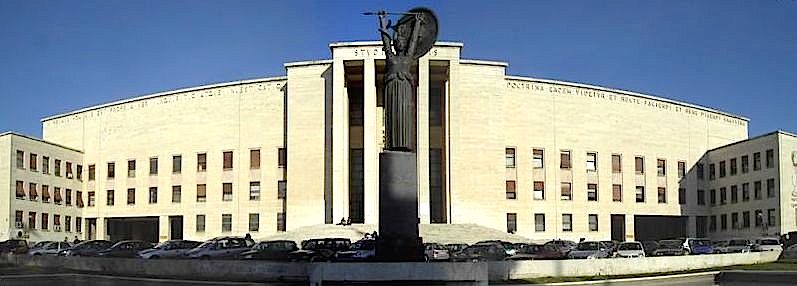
(745,165)
(45,222)
(539,222)
(566,192)
(201,193)
(735,222)
(538,161)
(33,165)
(734,190)
(226,222)
(35,193)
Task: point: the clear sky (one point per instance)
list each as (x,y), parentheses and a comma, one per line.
(735,56)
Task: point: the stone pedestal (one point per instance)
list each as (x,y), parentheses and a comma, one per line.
(398,208)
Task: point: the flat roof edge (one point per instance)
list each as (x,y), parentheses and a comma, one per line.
(12,133)
(163,93)
(483,62)
(575,84)
(307,63)
(379,43)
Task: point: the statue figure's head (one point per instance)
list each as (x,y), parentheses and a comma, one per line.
(402,36)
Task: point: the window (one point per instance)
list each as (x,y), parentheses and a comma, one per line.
(153,166)
(282,158)
(92,170)
(280,221)
(57,195)
(745,164)
(32,194)
(734,194)
(722,169)
(153,195)
(254,222)
(32,164)
(111,172)
(539,190)
(723,196)
(45,165)
(639,165)
(57,222)
(45,221)
(593,222)
(226,191)
(68,223)
(200,223)
(617,166)
(746,192)
(201,193)
(254,191)
(771,217)
(537,159)
(564,157)
(567,222)
(640,194)
(759,218)
(712,196)
(771,188)
(539,222)
(757,190)
(227,160)
(282,189)
(226,222)
(682,196)
(662,195)
(661,167)
(91,198)
(592,192)
(57,166)
(510,190)
(712,174)
(201,162)
(735,221)
(32,220)
(733,167)
(68,170)
(700,174)
(756,161)
(712,224)
(177,164)
(131,168)
(78,224)
(79,170)
(701,197)
(567,195)
(617,193)
(724,222)
(177,194)
(20,159)
(18,218)
(510,157)
(746,219)
(511,222)
(681,169)
(592,161)
(20,191)
(254,159)
(79,198)
(131,196)
(109,198)
(770,159)
(68,196)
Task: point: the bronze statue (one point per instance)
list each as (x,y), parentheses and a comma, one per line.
(414,35)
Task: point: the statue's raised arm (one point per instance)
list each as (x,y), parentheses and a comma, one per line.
(384,31)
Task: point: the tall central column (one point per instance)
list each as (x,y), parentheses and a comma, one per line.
(422,148)
(340,142)
(370,146)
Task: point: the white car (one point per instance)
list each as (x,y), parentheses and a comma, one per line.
(630,249)
(51,248)
(767,244)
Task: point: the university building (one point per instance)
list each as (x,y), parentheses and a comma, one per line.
(540,158)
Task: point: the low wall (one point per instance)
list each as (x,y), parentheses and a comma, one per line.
(507,270)
(462,273)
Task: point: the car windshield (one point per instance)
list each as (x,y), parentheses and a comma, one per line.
(164,245)
(630,246)
(40,244)
(588,246)
(769,242)
(207,244)
(670,243)
(700,242)
(364,245)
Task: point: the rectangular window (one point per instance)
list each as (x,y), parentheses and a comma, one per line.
(756,161)
(510,190)
(539,222)
(639,165)
(227,160)
(201,193)
(254,159)
(712,197)
(201,162)
(32,192)
(661,167)
(153,166)
(682,196)
(226,194)
(734,194)
(733,166)
(32,164)
(57,222)
(592,192)
(712,223)
(723,196)
(78,224)
(662,195)
(745,164)
(79,198)
(57,195)
(254,191)
(593,222)
(282,189)
(700,174)
(735,221)
(131,168)
(771,220)
(511,222)
(254,222)
(91,198)
(724,222)
(746,192)
(770,159)
(68,223)
(537,159)
(282,158)
(20,190)
(32,220)
(45,221)
(640,194)
(564,157)
(68,196)
(92,172)
(79,170)
(567,194)
(18,218)
(226,222)
(746,219)
(722,169)
(771,188)
(111,171)
(510,157)
(701,197)
(68,170)
(177,164)
(109,198)
(592,161)
(280,221)
(681,169)
(153,195)
(177,194)
(759,218)
(45,165)
(20,159)
(57,166)
(567,222)
(617,166)
(617,193)
(131,196)
(712,172)
(757,190)
(539,190)
(200,223)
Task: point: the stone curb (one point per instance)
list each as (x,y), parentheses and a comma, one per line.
(623,280)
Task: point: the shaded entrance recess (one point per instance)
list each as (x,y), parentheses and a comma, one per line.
(139,228)
(618,227)
(653,227)
(176,227)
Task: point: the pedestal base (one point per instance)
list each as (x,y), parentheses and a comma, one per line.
(398,208)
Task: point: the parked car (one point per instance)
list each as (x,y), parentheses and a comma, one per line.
(789,253)
(51,248)
(277,250)
(670,247)
(630,249)
(611,245)
(650,247)
(169,249)
(125,249)
(362,250)
(87,248)
(481,252)
(223,247)
(736,245)
(539,252)
(509,247)
(14,246)
(321,249)
(698,246)
(565,245)
(435,252)
(767,244)
(590,250)
(455,247)
(41,244)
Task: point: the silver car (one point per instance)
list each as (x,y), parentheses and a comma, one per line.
(50,248)
(767,244)
(735,246)
(169,249)
(589,250)
(224,247)
(630,249)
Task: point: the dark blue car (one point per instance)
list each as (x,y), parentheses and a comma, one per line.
(700,246)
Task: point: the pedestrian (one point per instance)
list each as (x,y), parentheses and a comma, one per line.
(348,221)
(76,240)
(249,240)
(374,235)
(66,239)
(342,221)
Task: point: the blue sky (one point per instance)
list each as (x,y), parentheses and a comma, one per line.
(735,56)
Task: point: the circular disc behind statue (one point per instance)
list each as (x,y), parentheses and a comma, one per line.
(427,32)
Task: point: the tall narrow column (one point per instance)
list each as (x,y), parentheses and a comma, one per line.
(340,142)
(422,143)
(370,146)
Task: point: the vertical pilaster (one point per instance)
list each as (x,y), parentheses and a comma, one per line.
(164,228)
(340,142)
(422,144)
(370,147)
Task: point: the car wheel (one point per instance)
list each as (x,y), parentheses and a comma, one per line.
(154,257)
